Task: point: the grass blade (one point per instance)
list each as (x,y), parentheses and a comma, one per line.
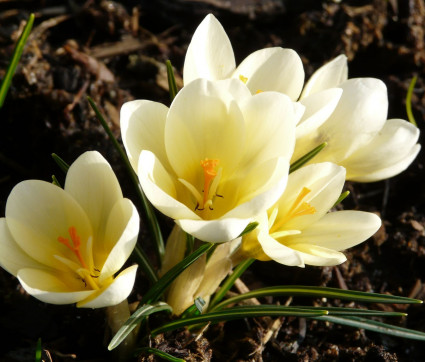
(318,292)
(241,312)
(172,86)
(307,157)
(375,326)
(61,163)
(135,319)
(409,112)
(7,80)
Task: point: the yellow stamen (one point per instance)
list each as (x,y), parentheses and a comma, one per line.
(243,79)
(209,174)
(259,91)
(75,248)
(298,208)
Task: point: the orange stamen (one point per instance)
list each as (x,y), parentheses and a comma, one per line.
(75,248)
(209,174)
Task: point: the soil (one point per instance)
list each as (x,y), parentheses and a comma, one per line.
(115,52)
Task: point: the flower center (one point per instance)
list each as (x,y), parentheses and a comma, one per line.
(86,271)
(298,208)
(212,177)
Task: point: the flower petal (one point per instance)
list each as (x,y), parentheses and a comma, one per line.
(92,183)
(120,238)
(37,213)
(389,153)
(115,293)
(12,257)
(319,256)
(273,69)
(50,286)
(210,54)
(329,75)
(174,249)
(142,128)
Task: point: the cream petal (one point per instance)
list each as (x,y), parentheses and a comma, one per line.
(160,189)
(318,108)
(273,69)
(92,183)
(49,287)
(338,230)
(12,257)
(270,128)
(115,293)
(120,238)
(214,231)
(389,153)
(204,121)
(174,249)
(329,75)
(37,213)
(142,128)
(319,256)
(210,54)
(279,252)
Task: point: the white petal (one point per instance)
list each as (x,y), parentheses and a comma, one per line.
(12,257)
(142,128)
(210,54)
(115,293)
(338,230)
(37,213)
(174,249)
(120,238)
(329,75)
(318,108)
(273,69)
(48,287)
(319,256)
(389,153)
(204,121)
(92,183)
(214,231)
(279,252)
(160,189)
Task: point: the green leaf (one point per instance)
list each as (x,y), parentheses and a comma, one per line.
(7,80)
(135,319)
(155,292)
(240,312)
(318,292)
(251,226)
(307,157)
(159,353)
(341,198)
(153,225)
(172,86)
(409,112)
(38,351)
(61,163)
(55,181)
(143,261)
(375,326)
(228,283)
(359,312)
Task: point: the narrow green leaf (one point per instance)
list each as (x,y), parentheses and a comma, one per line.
(135,319)
(153,225)
(155,292)
(60,162)
(143,261)
(251,226)
(190,243)
(55,181)
(341,198)
(339,311)
(159,353)
(172,86)
(228,283)
(318,292)
(375,326)
(409,112)
(38,351)
(19,48)
(240,312)
(307,157)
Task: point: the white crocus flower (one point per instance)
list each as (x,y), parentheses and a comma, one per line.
(358,134)
(299,230)
(65,245)
(216,158)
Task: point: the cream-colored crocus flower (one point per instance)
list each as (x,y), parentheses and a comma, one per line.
(215,159)
(65,245)
(299,229)
(358,134)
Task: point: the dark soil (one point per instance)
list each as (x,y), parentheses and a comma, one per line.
(115,52)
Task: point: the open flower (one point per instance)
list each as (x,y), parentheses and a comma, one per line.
(299,230)
(358,134)
(216,158)
(65,245)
